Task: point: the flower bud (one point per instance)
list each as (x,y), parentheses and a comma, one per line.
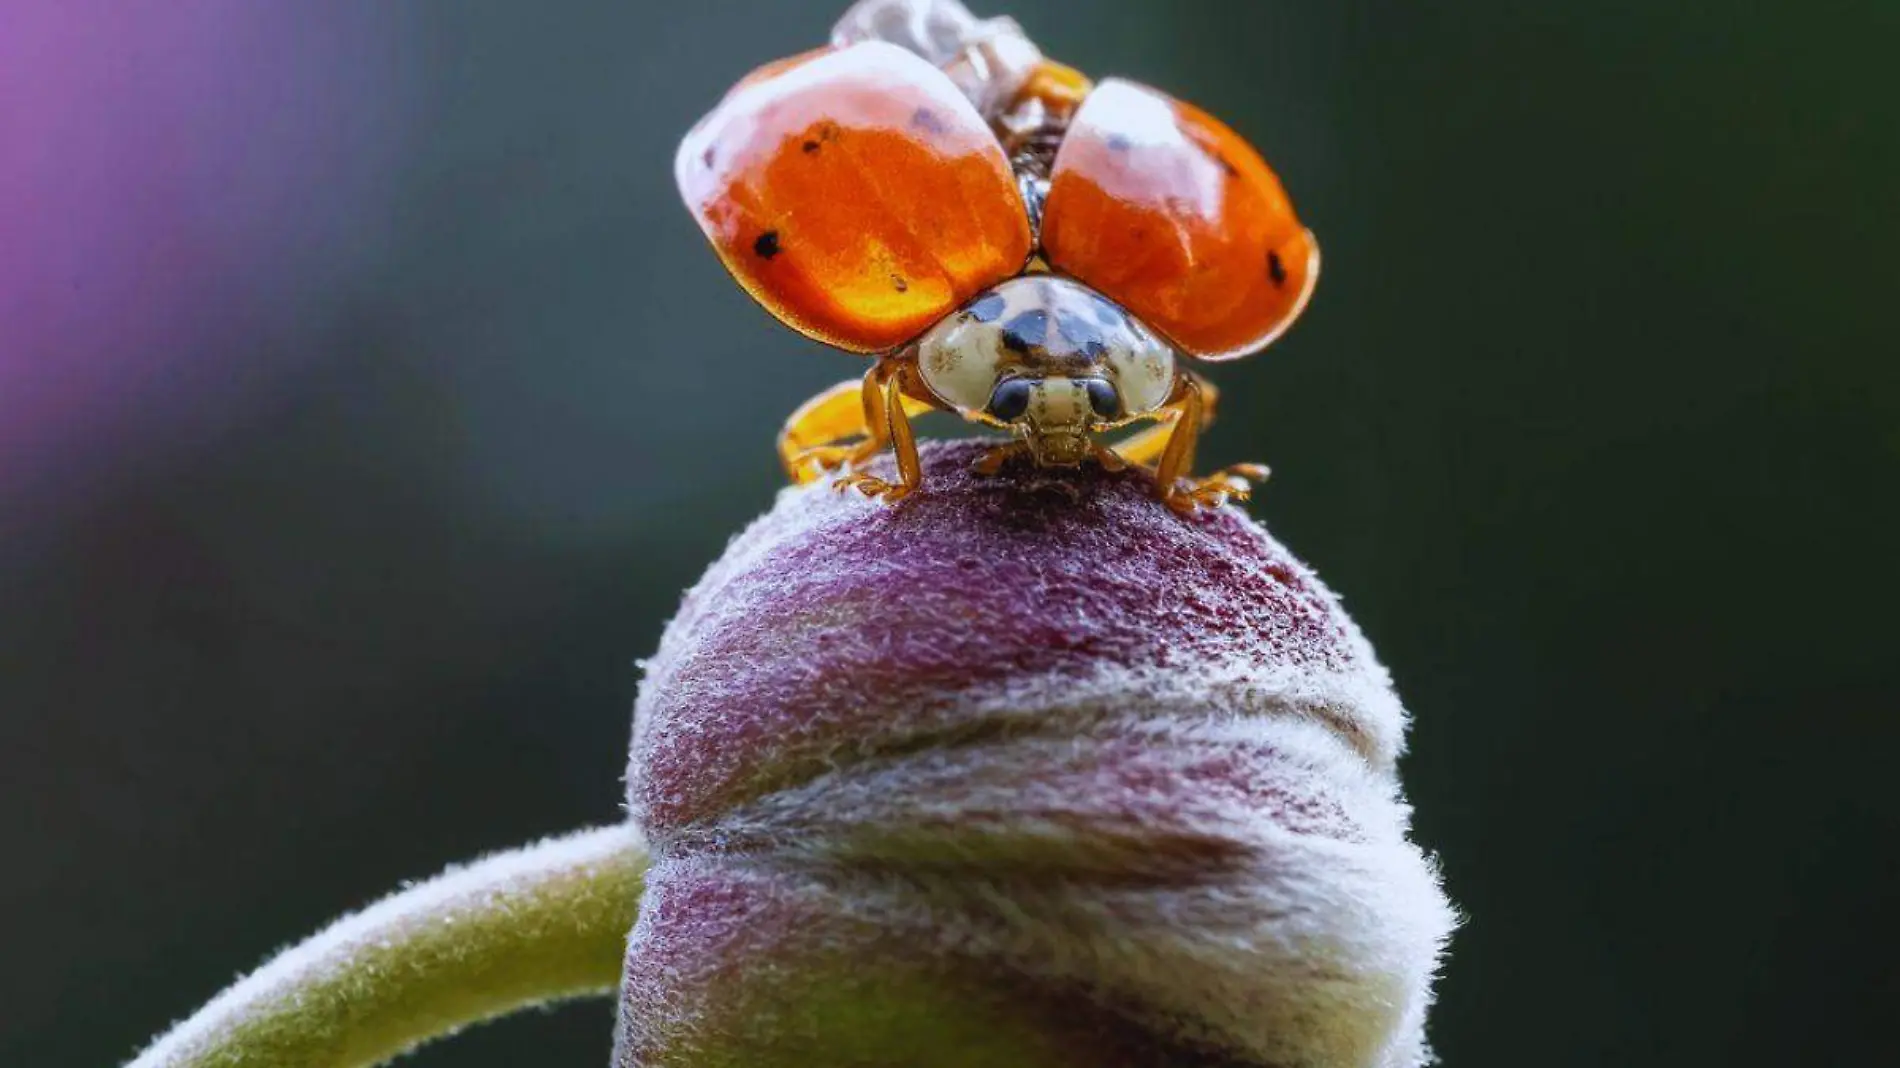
(1024,770)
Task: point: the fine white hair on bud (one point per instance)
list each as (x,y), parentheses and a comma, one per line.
(1025,770)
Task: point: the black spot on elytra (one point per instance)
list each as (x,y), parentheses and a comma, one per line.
(927,120)
(1119,143)
(767,244)
(821,135)
(711,154)
(986,308)
(1027,331)
(898,283)
(1275,269)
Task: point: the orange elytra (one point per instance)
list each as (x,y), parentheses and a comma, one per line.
(1015,245)
(856,194)
(1161,208)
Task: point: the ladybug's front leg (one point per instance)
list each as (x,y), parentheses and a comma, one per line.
(903,441)
(814,438)
(1171,446)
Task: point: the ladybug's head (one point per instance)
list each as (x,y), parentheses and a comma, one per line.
(1051,360)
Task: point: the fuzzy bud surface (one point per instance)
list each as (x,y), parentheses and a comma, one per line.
(1024,770)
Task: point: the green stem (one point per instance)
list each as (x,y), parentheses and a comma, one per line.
(540,923)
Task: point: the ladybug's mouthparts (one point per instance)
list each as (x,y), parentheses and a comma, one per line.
(1058,415)
(1059,447)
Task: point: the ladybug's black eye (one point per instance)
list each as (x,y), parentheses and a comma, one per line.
(1103,399)
(1011,399)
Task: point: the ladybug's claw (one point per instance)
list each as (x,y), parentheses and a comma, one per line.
(872,486)
(1205,493)
(1230,484)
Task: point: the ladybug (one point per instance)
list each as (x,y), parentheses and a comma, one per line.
(1011,242)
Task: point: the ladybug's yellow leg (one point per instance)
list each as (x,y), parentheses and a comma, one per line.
(1144,448)
(810,443)
(1172,442)
(809,446)
(910,471)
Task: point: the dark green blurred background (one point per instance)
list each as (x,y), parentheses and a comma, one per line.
(1593,422)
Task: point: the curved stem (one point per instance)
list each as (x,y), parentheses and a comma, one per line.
(540,923)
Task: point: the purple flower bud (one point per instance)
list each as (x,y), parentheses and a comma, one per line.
(1025,770)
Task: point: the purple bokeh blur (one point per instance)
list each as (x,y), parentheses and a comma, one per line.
(172,179)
